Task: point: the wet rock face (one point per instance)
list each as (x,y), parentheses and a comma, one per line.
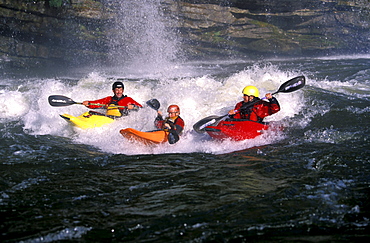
(278,27)
(43,32)
(37,33)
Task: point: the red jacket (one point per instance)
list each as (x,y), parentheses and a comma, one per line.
(124,101)
(258,111)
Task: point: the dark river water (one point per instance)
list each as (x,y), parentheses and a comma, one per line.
(307,183)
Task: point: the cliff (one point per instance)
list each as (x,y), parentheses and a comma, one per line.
(78,32)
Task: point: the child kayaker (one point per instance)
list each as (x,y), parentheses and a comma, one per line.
(111,102)
(174,124)
(254,108)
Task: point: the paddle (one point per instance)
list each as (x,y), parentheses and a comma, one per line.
(154,104)
(173,137)
(287,87)
(60,100)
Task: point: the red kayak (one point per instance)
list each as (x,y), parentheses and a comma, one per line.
(236,129)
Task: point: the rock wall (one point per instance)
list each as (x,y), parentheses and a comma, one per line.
(37,33)
(281,27)
(43,33)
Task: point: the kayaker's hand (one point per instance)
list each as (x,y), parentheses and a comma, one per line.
(268,96)
(85,103)
(166,126)
(232,112)
(130,107)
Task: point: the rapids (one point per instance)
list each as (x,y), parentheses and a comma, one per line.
(308,181)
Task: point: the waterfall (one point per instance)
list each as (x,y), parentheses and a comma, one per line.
(142,37)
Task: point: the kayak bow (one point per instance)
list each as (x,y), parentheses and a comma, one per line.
(236,129)
(87,120)
(147,138)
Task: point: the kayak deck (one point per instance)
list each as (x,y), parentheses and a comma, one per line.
(236,130)
(147,138)
(87,120)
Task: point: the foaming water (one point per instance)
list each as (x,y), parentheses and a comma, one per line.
(198,97)
(345,57)
(309,179)
(14,105)
(214,91)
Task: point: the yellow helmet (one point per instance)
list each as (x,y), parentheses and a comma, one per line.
(251,90)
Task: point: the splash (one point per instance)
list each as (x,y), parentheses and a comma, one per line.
(198,97)
(142,38)
(14,105)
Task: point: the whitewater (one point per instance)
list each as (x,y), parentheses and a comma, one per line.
(307,182)
(320,157)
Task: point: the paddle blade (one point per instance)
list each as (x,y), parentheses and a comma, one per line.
(60,100)
(292,85)
(173,137)
(154,104)
(208,121)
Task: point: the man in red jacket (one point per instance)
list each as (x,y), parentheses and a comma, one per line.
(111,102)
(252,107)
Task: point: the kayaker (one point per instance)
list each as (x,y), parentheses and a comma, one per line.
(254,108)
(173,123)
(111,102)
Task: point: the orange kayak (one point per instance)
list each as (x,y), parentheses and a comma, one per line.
(147,138)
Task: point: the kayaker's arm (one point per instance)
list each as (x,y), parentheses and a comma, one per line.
(133,107)
(89,104)
(177,126)
(236,109)
(273,104)
(272,100)
(94,104)
(158,122)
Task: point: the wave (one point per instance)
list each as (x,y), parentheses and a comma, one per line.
(211,89)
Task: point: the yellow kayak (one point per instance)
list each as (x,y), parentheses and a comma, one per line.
(147,138)
(88,120)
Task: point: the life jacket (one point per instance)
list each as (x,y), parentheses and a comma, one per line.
(259,110)
(112,110)
(247,109)
(176,123)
